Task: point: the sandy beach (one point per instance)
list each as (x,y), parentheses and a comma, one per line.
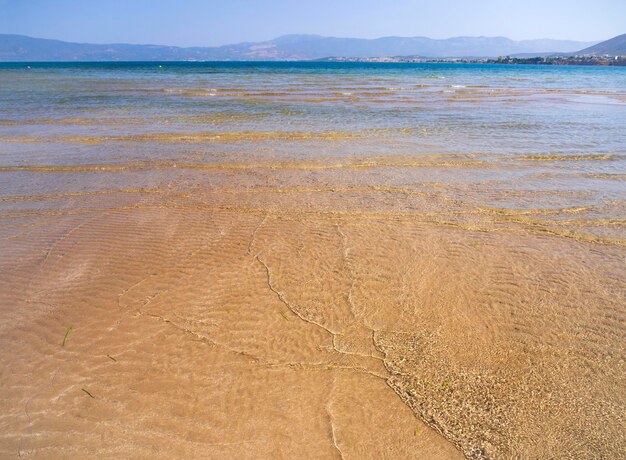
(231,284)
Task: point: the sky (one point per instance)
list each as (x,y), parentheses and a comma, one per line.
(218,22)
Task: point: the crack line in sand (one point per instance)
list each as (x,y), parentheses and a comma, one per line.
(201,338)
(258,359)
(281,297)
(346,252)
(353,308)
(59,241)
(348,353)
(330,419)
(67,234)
(254,232)
(324,367)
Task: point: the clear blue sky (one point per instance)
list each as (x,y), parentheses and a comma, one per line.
(216,22)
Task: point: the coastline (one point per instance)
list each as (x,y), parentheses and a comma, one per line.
(602,61)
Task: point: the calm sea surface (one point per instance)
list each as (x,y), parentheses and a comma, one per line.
(542,128)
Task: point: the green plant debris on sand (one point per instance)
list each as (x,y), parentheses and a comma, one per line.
(88,393)
(67,334)
(417,430)
(233,309)
(284,315)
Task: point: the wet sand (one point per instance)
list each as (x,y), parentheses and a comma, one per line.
(235,302)
(287,322)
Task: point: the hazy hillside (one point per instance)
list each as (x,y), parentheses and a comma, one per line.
(616,46)
(21,48)
(290,47)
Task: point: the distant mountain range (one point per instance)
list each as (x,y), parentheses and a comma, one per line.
(19,48)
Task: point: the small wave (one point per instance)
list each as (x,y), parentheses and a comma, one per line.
(589,157)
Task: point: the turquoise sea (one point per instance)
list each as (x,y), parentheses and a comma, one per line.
(541,128)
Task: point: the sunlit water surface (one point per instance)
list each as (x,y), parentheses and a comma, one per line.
(299,259)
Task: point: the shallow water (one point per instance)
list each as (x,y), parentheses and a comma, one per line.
(312,260)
